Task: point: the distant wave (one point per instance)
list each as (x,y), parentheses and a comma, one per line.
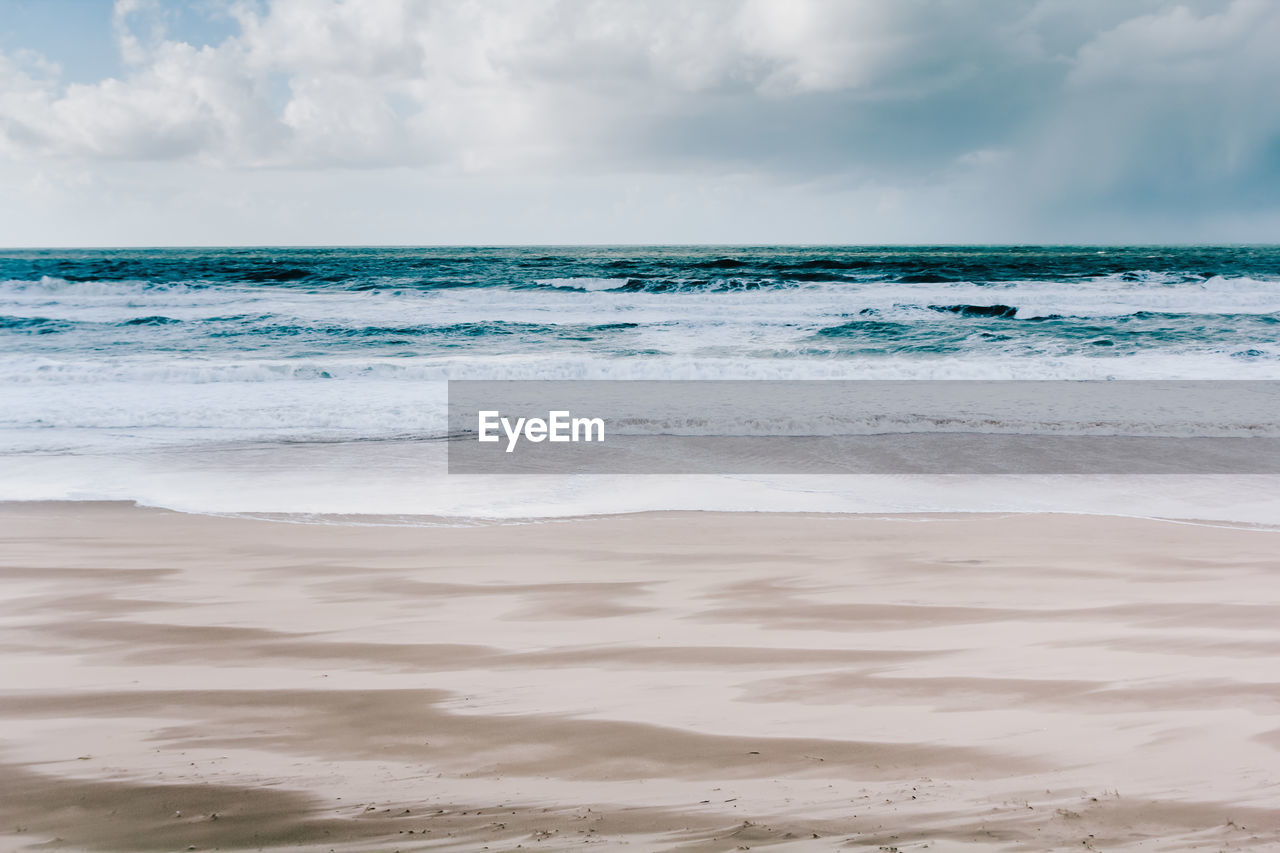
(67,288)
(1001,311)
(584,283)
(151,320)
(36,325)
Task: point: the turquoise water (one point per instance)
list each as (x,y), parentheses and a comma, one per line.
(743,306)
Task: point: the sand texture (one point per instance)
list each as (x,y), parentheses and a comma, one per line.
(671,681)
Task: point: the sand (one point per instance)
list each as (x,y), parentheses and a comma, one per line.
(668,681)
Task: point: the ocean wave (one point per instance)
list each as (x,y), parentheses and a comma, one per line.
(66,288)
(32,325)
(151,320)
(1098,296)
(998,311)
(161,372)
(583,283)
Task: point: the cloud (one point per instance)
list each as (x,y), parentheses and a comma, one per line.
(500,83)
(1015,111)
(1170,114)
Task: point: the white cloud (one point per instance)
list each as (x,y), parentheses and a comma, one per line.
(471,76)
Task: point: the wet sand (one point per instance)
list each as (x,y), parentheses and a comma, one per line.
(682,681)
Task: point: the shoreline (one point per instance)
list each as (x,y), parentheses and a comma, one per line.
(676,680)
(430,521)
(396,480)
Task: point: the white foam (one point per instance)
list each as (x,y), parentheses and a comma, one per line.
(407,479)
(133,403)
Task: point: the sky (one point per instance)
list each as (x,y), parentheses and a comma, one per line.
(494,122)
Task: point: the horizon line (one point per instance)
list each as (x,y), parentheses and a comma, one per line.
(603,245)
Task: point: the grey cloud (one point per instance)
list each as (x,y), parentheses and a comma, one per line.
(1019,111)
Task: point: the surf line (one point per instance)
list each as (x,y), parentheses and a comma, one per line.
(559,425)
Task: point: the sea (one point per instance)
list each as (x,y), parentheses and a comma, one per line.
(310,383)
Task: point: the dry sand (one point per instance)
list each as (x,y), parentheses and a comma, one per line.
(662,681)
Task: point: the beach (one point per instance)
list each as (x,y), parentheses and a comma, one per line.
(785,425)
(661,681)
